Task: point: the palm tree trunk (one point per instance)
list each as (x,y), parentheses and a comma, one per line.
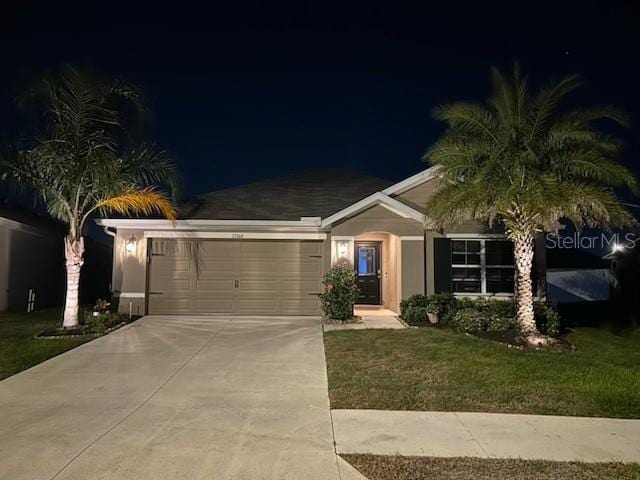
(523,253)
(73,252)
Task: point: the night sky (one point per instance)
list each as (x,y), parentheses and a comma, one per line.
(248,90)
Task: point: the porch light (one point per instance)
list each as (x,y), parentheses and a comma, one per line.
(617,248)
(342,250)
(130,245)
(343,247)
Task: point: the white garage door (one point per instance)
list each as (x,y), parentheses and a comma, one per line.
(262,277)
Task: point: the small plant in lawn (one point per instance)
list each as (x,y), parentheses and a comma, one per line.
(340,292)
(101,306)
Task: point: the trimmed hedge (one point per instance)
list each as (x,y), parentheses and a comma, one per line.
(473,315)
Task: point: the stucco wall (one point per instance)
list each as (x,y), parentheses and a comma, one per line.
(412,268)
(377,219)
(129,272)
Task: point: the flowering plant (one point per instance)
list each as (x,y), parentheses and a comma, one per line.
(340,292)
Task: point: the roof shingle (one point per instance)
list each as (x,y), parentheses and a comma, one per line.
(315,193)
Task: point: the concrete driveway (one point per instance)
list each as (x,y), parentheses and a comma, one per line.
(175,397)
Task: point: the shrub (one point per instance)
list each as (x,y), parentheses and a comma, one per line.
(416,316)
(340,292)
(446,304)
(469,320)
(482,315)
(497,323)
(474,315)
(412,302)
(499,308)
(101,322)
(547,318)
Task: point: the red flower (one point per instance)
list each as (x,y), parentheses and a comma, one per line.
(329,286)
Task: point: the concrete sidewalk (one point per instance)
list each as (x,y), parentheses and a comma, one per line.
(444,434)
(368,323)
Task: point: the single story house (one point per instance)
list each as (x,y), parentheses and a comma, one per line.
(263,248)
(32,270)
(31,260)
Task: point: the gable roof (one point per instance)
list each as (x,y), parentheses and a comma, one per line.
(314,193)
(377,198)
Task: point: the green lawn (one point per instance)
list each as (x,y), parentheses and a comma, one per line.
(19,349)
(439,370)
(427,468)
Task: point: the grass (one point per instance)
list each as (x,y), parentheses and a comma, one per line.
(428,468)
(19,349)
(439,370)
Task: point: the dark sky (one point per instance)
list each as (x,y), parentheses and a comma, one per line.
(248,90)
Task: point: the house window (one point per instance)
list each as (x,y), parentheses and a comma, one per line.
(482,266)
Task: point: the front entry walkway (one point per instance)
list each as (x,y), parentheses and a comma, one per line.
(175,398)
(489,435)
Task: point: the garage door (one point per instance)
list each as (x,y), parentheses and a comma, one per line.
(261,277)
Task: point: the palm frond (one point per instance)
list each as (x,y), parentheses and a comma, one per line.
(547,101)
(526,162)
(146,165)
(146,201)
(472,118)
(584,117)
(82,158)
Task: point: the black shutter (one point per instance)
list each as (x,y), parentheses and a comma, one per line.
(442,265)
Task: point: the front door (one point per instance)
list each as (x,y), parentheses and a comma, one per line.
(367,264)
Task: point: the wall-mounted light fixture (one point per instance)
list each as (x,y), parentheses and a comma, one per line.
(343,247)
(342,250)
(130,245)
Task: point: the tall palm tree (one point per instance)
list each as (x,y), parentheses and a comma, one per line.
(526,161)
(83,160)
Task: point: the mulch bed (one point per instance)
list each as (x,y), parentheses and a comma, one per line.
(512,338)
(81,331)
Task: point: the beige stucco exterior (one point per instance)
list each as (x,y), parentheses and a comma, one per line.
(407,254)
(377,219)
(129,281)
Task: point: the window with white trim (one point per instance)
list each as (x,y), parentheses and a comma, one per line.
(482,266)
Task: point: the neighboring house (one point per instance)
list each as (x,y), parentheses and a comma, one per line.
(32,271)
(31,262)
(262,248)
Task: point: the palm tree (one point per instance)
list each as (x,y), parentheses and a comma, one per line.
(84,161)
(522,160)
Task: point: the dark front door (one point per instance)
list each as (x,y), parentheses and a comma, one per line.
(367,264)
